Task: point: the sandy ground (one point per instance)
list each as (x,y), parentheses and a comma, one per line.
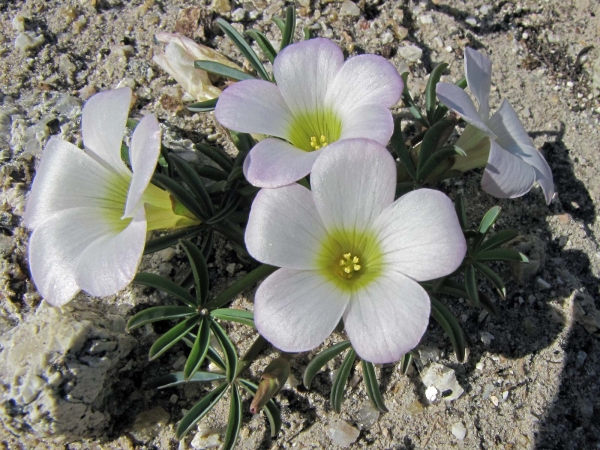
(532,385)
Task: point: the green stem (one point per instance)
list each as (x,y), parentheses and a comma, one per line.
(240,286)
(257,346)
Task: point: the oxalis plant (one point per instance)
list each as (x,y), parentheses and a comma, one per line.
(337,207)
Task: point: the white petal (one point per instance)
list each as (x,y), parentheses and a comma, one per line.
(55,247)
(273,163)
(305,70)
(420,235)
(143,154)
(370,122)
(478,70)
(284,228)
(69,178)
(352,182)
(103,126)
(297,310)
(365,80)
(254,106)
(109,263)
(506,175)
(387,318)
(459,101)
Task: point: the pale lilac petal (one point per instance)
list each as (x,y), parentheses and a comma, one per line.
(543,173)
(143,154)
(365,80)
(305,70)
(459,101)
(352,182)
(273,163)
(109,263)
(370,122)
(297,310)
(103,126)
(478,70)
(55,247)
(254,106)
(420,235)
(387,318)
(506,175)
(284,228)
(67,178)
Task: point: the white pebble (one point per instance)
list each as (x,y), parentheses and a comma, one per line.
(459,431)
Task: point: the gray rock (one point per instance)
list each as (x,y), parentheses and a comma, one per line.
(444,380)
(341,433)
(411,53)
(148,424)
(349,8)
(28,40)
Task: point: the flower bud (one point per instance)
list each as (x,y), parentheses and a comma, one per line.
(272,380)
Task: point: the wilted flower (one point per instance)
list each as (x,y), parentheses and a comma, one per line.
(513,163)
(178,61)
(349,251)
(319,99)
(87,208)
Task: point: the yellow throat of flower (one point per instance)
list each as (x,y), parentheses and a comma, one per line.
(315,130)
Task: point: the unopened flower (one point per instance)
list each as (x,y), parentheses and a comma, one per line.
(500,142)
(349,251)
(178,58)
(319,99)
(87,208)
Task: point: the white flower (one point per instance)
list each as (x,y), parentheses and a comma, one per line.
(178,58)
(87,208)
(349,251)
(513,163)
(319,99)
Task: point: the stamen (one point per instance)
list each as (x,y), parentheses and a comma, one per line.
(349,265)
(318,144)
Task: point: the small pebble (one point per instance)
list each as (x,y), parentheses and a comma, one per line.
(341,433)
(543,284)
(494,400)
(349,8)
(459,431)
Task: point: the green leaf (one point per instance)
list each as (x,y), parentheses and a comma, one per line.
(461,211)
(319,361)
(125,154)
(495,241)
(404,188)
(433,139)
(271,410)
(339,383)
(502,254)
(158,313)
(234,315)
(225,212)
(199,410)
(199,350)
(207,244)
(166,286)
(217,155)
(193,181)
(372,386)
(424,173)
(223,70)
(216,359)
(280,23)
(307,33)
(243,46)
(471,285)
(264,44)
(400,149)
(430,95)
(448,322)
(410,103)
(489,219)
(199,269)
(234,423)
(492,276)
(407,360)
(173,336)
(231,358)
(487,304)
(212,173)
(205,106)
(171,239)
(290,27)
(242,141)
(180,194)
(176,378)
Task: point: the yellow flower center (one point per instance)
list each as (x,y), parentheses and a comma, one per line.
(348,265)
(322,142)
(315,130)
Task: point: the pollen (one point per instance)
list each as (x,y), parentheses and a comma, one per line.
(316,145)
(349,264)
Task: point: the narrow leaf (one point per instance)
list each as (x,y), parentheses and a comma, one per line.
(176,378)
(502,254)
(212,173)
(215,358)
(501,237)
(307,33)
(205,106)
(433,163)
(225,212)
(471,285)
(407,360)
(180,194)
(199,350)
(404,188)
(243,46)
(271,410)
(207,244)
(280,23)
(199,410)
(193,181)
(430,95)
(492,276)
(242,141)
(199,269)
(234,423)
(231,358)
(410,103)
(234,315)
(158,313)
(400,149)
(461,211)
(173,336)
(217,155)
(434,138)
(166,286)
(319,361)
(290,27)
(339,383)
(223,70)
(448,322)
(162,242)
(264,44)
(489,219)
(373,386)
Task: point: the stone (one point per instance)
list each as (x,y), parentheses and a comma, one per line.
(431,393)
(535,250)
(411,53)
(238,15)
(459,431)
(148,424)
(487,338)
(28,40)
(349,8)
(342,433)
(220,6)
(416,407)
(444,380)
(367,416)
(207,438)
